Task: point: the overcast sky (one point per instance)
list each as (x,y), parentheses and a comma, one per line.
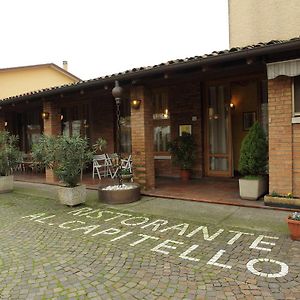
(101,37)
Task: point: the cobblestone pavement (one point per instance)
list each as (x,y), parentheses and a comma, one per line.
(50,251)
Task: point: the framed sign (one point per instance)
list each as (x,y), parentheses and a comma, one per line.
(249,119)
(185,128)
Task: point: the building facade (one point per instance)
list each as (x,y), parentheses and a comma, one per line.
(215,97)
(255,21)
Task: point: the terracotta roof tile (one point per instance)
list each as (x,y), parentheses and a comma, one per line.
(157,66)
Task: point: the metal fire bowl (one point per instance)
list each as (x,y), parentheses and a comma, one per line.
(120,196)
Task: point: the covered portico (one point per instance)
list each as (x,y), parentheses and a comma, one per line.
(217,97)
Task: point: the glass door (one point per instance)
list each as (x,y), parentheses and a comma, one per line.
(218,132)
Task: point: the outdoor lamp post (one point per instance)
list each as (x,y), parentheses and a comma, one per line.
(117,92)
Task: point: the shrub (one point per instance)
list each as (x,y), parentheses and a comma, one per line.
(254,152)
(67,156)
(10,156)
(183,151)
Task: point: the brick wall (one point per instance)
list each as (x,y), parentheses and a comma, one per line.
(142,138)
(2,122)
(281,136)
(102,121)
(52,126)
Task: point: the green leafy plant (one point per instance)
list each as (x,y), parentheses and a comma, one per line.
(67,156)
(254,152)
(10,155)
(125,172)
(183,151)
(295,216)
(100,145)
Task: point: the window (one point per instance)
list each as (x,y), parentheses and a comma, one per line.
(125,126)
(33,128)
(161,120)
(75,121)
(297,96)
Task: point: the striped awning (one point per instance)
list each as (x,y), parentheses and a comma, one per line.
(289,68)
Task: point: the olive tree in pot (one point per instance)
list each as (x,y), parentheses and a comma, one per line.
(183,153)
(10,156)
(67,156)
(253,164)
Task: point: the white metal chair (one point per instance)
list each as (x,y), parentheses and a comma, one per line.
(112,163)
(101,166)
(126,163)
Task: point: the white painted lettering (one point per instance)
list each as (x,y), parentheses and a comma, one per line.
(165,245)
(79,211)
(87,229)
(63,225)
(215,258)
(259,240)
(145,237)
(156,224)
(144,220)
(237,236)
(185,254)
(36,216)
(121,236)
(43,219)
(109,231)
(181,227)
(118,215)
(284,268)
(205,233)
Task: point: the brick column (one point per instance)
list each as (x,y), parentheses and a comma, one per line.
(52,126)
(142,139)
(280,135)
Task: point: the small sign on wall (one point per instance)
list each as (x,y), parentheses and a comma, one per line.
(185,128)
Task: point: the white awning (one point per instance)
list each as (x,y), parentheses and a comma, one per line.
(289,68)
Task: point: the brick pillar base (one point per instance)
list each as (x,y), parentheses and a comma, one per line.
(142,139)
(52,127)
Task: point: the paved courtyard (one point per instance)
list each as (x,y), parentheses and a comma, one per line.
(152,249)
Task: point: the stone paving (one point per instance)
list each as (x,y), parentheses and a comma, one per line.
(94,251)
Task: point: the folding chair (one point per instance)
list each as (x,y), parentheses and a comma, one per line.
(101,166)
(126,163)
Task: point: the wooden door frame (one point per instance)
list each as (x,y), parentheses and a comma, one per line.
(207,172)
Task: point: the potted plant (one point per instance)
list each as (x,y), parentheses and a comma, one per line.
(67,156)
(100,145)
(126,175)
(183,153)
(253,164)
(282,200)
(293,222)
(10,157)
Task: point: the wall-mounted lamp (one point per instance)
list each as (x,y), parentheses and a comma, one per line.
(5,123)
(136,103)
(61,117)
(232,105)
(45,115)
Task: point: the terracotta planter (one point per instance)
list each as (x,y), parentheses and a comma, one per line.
(294,228)
(6,184)
(185,175)
(72,196)
(120,196)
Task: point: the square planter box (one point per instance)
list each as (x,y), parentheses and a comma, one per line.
(72,196)
(282,202)
(6,184)
(252,189)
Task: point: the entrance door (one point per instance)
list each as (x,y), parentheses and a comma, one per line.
(218,132)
